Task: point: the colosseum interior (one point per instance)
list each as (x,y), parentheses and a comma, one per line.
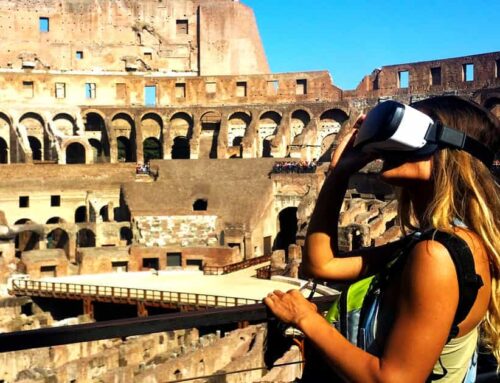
(149,139)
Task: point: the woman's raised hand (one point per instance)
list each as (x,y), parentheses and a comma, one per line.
(347,160)
(290,307)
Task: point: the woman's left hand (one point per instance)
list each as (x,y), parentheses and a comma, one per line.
(291,307)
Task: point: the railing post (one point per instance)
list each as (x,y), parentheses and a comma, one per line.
(88,307)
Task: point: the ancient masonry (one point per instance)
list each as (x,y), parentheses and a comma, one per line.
(92,91)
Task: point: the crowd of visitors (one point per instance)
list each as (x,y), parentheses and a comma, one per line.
(142,168)
(295,166)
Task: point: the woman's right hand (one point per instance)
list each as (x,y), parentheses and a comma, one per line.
(347,160)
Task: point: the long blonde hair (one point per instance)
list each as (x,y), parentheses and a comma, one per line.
(465,189)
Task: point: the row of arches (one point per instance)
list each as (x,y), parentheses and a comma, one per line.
(80,216)
(99,136)
(181,130)
(58,238)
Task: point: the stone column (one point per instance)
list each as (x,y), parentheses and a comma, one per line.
(249,141)
(194,142)
(139,149)
(282,139)
(222,143)
(113,145)
(166,139)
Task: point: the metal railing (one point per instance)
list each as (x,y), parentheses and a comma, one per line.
(218,270)
(264,272)
(123,294)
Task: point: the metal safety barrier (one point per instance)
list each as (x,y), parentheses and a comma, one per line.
(218,270)
(23,287)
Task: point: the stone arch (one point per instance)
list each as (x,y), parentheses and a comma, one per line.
(209,136)
(493,105)
(330,123)
(299,121)
(267,128)
(181,129)
(6,118)
(152,125)
(238,123)
(211,120)
(152,149)
(181,125)
(66,124)
(58,239)
(35,127)
(26,240)
(4,152)
(95,125)
(5,136)
(35,116)
(23,221)
(85,238)
(124,128)
(81,214)
(75,153)
(54,221)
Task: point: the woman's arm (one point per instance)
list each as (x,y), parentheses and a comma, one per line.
(321,257)
(425,308)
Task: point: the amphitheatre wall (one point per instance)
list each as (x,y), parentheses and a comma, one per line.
(181,36)
(475,76)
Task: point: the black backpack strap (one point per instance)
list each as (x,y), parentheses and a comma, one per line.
(468,281)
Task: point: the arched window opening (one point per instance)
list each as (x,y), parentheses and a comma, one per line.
(95,123)
(268,127)
(300,120)
(85,238)
(4,152)
(58,239)
(36,148)
(266,147)
(81,214)
(236,151)
(96,150)
(152,149)
(126,235)
(54,220)
(26,241)
(200,205)
(65,124)
(103,213)
(124,149)
(288,225)
(75,153)
(181,149)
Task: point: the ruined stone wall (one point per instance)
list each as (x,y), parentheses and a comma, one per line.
(196,230)
(146,35)
(229,40)
(129,89)
(465,75)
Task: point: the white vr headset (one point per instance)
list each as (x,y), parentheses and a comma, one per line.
(392,129)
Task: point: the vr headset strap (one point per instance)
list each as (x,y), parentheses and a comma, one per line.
(448,137)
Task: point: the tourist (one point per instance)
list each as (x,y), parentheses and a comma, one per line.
(420,299)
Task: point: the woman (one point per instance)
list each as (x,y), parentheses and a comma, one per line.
(449,190)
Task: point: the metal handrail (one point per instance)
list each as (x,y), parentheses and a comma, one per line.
(217,270)
(64,290)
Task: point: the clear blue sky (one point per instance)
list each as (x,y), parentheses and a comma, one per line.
(350,38)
